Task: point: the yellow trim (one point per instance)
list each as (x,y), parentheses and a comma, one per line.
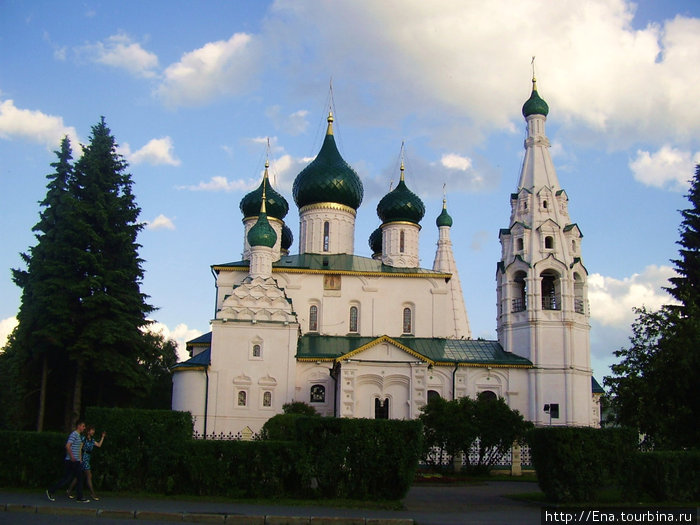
(188,368)
(313,359)
(269,218)
(405,223)
(337,272)
(383,339)
(328,205)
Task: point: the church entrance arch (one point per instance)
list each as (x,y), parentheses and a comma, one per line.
(381,408)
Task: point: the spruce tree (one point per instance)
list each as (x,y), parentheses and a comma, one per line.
(109,347)
(49,303)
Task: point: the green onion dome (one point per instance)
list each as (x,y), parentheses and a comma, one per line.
(277,206)
(401,204)
(444,218)
(375,241)
(328,178)
(287,238)
(262,234)
(535,105)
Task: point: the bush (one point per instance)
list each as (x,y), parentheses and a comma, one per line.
(574,464)
(664,476)
(32,459)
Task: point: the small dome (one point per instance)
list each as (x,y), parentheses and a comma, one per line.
(276,205)
(401,204)
(287,238)
(444,218)
(535,105)
(262,234)
(375,241)
(328,178)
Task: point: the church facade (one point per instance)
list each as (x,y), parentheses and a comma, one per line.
(377,337)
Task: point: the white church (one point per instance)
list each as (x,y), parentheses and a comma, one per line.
(377,337)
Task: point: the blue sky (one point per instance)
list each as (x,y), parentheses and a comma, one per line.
(193,90)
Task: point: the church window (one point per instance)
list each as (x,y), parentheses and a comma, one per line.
(433,394)
(313,318)
(257,351)
(544,204)
(267,399)
(519,298)
(550,291)
(381,409)
(579,303)
(326,236)
(242,398)
(317,394)
(402,241)
(407,321)
(353,319)
(549,242)
(573,246)
(519,244)
(488,395)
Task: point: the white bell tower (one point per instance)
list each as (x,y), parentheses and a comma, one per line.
(542,290)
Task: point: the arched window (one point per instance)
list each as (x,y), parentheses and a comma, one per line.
(579,303)
(381,409)
(402,241)
(313,318)
(407,321)
(257,351)
(433,394)
(326,236)
(267,399)
(549,242)
(488,395)
(519,244)
(573,246)
(544,204)
(550,291)
(317,394)
(353,319)
(242,398)
(519,298)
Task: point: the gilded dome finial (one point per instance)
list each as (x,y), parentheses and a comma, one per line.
(330,123)
(403,144)
(534,80)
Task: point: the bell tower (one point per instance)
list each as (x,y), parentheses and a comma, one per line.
(542,292)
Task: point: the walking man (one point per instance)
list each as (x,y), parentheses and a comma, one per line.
(73,464)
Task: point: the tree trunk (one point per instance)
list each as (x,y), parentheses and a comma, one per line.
(77,393)
(42,394)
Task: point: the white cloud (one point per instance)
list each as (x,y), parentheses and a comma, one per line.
(157,151)
(219,183)
(181,334)
(612,300)
(121,52)
(596,70)
(6,328)
(35,126)
(225,67)
(667,168)
(293,124)
(161,223)
(456,162)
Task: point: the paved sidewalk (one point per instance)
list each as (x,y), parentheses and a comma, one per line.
(423,505)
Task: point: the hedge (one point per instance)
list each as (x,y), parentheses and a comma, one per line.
(665,476)
(31,459)
(574,464)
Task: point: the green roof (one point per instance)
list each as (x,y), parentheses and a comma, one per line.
(434,350)
(535,105)
(337,263)
(444,218)
(275,204)
(262,234)
(401,204)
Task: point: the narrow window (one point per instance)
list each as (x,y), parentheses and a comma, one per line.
(407,321)
(550,291)
(519,244)
(381,409)
(267,399)
(544,204)
(313,318)
(242,398)
(573,246)
(353,319)
(256,351)
(402,241)
(519,298)
(548,242)
(318,394)
(579,303)
(326,236)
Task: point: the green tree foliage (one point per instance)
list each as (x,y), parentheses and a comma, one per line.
(82,338)
(299,407)
(654,388)
(454,426)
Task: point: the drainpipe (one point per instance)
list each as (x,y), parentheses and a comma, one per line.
(334,374)
(206,400)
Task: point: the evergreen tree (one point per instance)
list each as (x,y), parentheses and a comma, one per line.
(109,347)
(47,312)
(654,387)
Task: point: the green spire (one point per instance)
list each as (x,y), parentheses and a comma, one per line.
(401,204)
(444,218)
(535,105)
(262,234)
